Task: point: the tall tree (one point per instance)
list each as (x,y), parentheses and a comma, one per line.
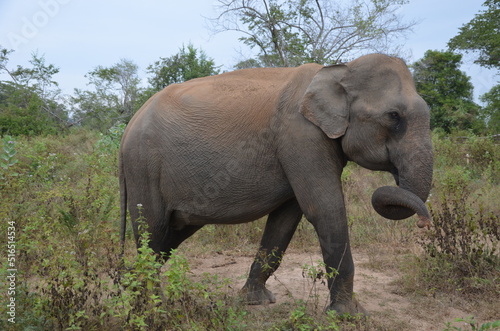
(491,110)
(114,97)
(187,64)
(481,35)
(447,90)
(31,101)
(289,33)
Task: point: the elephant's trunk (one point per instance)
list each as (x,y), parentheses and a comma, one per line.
(396,203)
(414,177)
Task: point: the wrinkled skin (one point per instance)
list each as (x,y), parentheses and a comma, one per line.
(234,147)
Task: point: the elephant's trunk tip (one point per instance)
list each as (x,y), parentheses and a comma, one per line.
(424,222)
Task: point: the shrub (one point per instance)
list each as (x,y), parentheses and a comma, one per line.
(480,156)
(64,204)
(473,324)
(461,248)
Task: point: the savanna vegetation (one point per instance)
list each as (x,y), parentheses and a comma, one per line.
(60,193)
(60,198)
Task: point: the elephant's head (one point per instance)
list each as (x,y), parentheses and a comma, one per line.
(372,106)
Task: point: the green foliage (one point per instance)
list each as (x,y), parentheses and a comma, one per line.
(60,208)
(114,98)
(473,157)
(30,102)
(448,91)
(8,156)
(110,141)
(491,111)
(188,64)
(315,275)
(463,237)
(64,204)
(154,300)
(460,252)
(301,318)
(481,35)
(139,302)
(473,324)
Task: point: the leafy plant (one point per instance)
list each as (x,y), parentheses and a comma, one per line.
(7,157)
(473,324)
(139,304)
(301,318)
(317,274)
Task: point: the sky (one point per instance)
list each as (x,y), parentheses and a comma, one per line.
(79,35)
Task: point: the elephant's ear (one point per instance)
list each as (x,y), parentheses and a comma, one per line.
(325,102)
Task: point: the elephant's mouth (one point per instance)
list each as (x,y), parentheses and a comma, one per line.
(396,203)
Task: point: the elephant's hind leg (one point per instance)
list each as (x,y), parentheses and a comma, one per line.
(280,227)
(174,238)
(149,209)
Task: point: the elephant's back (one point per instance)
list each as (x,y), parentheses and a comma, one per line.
(225,100)
(238,100)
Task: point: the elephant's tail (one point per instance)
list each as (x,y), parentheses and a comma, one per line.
(123,209)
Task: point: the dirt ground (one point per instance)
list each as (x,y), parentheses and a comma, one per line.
(376,290)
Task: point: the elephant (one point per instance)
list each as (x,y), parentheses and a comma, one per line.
(238,146)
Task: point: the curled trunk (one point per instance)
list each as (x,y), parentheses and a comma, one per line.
(396,203)
(413,163)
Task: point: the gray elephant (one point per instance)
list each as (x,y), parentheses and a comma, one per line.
(238,146)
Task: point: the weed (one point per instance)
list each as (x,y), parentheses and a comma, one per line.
(8,155)
(317,274)
(473,325)
(301,318)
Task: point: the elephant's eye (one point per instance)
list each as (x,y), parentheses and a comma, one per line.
(398,124)
(394,115)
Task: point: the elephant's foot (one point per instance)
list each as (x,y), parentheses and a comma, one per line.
(257,294)
(351,307)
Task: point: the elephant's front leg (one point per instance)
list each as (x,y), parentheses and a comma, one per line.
(280,227)
(334,240)
(322,202)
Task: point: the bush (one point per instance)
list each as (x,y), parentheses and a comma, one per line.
(479,156)
(461,248)
(61,194)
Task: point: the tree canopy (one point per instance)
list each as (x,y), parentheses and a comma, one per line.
(114,97)
(187,64)
(481,35)
(491,111)
(116,93)
(30,102)
(447,90)
(290,33)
